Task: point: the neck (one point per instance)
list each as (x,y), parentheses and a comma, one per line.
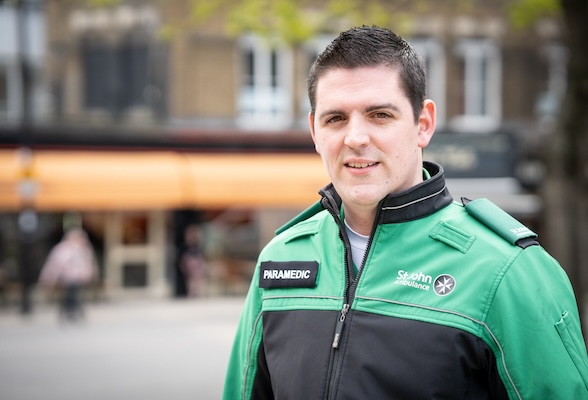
(360,220)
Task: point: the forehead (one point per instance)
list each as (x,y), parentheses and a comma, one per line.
(342,85)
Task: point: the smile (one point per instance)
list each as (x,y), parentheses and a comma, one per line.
(360,165)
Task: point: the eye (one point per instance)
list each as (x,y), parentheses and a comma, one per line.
(334,119)
(381,115)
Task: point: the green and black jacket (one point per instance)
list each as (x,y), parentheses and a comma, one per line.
(453,301)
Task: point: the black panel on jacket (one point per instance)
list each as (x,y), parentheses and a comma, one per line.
(262,389)
(299,344)
(383,358)
(393,358)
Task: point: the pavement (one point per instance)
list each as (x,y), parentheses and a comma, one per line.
(171,349)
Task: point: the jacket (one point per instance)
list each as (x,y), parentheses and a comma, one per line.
(453,301)
(71,262)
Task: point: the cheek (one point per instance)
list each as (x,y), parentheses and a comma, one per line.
(325,146)
(317,148)
(321,145)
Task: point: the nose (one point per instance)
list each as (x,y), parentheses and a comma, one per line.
(357,134)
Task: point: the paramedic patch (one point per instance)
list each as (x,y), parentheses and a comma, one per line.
(288,274)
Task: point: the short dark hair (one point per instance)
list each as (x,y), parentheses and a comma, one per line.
(372,46)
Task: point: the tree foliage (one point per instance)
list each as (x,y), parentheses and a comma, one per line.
(296,21)
(523,13)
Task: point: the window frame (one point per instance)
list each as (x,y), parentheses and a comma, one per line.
(264,99)
(432,52)
(482,76)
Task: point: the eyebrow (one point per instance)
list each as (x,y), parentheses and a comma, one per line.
(330,112)
(384,106)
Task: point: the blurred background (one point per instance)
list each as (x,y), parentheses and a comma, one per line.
(178,127)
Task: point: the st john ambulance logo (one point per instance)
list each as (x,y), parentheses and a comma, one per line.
(444,284)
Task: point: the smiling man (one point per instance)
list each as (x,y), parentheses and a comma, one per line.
(388,289)
(370,141)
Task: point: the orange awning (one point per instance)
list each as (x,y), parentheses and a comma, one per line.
(98,180)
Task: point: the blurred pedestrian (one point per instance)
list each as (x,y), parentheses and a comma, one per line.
(70,266)
(192,262)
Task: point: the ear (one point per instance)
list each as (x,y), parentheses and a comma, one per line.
(312,133)
(427,123)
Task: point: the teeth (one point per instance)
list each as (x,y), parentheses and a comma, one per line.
(360,165)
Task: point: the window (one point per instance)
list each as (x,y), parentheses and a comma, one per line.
(10,74)
(11,91)
(264,100)
(433,55)
(313,48)
(479,71)
(98,75)
(549,102)
(115,77)
(14,29)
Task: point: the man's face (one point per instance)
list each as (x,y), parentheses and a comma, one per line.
(365,132)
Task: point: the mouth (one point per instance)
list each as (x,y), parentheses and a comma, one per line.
(362,165)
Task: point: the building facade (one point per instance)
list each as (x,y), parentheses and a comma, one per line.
(198,100)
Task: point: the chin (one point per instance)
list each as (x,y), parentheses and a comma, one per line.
(363,199)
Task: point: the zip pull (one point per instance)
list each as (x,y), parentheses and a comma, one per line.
(339,327)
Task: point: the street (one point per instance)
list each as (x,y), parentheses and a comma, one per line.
(148,350)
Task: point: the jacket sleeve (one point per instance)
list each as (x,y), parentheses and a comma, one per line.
(243,367)
(534,321)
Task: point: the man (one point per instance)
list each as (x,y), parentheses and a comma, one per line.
(387,288)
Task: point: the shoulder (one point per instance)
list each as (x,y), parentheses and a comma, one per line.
(480,224)
(310,212)
(307,223)
(500,223)
(304,227)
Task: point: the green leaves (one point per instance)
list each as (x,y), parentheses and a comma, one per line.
(523,13)
(295,21)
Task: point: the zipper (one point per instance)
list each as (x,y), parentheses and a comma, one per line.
(339,327)
(350,287)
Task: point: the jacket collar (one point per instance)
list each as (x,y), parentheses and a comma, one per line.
(417,202)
